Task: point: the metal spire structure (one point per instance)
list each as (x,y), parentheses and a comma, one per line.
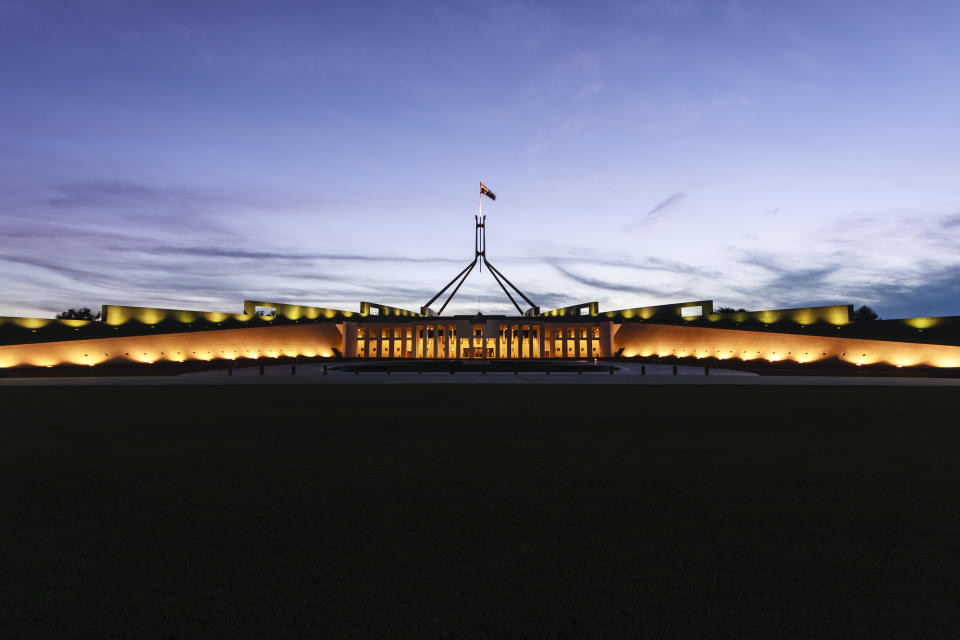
(480,259)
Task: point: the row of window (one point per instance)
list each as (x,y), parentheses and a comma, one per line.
(515,332)
(404,332)
(478,348)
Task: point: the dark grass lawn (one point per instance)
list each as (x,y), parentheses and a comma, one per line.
(479,511)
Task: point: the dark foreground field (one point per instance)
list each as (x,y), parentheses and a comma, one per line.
(461,511)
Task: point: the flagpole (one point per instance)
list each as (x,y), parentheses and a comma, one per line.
(480,221)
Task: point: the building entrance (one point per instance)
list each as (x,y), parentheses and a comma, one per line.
(492,341)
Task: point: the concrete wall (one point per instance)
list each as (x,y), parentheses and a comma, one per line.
(643,339)
(261,342)
(296,311)
(382,310)
(115,314)
(662,311)
(582,310)
(40,323)
(835,314)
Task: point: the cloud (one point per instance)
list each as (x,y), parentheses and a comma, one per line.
(103,194)
(924,290)
(621,288)
(248,254)
(935,295)
(627,262)
(790,286)
(80,275)
(194,246)
(660,211)
(552,300)
(116,241)
(112,194)
(949,222)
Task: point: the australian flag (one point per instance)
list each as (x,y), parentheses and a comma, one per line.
(484,191)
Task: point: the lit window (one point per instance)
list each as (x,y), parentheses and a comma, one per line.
(596,332)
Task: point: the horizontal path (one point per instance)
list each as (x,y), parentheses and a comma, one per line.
(626,374)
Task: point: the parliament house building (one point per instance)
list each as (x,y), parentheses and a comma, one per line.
(685,330)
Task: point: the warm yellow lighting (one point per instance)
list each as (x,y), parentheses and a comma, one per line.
(31,323)
(922,323)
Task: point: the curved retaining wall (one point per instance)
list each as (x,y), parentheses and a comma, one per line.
(681,341)
(261,342)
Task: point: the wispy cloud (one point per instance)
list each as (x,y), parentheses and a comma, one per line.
(104,194)
(788,285)
(951,221)
(660,211)
(636,263)
(619,287)
(112,194)
(248,254)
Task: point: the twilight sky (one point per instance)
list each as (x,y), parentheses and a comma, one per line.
(762,154)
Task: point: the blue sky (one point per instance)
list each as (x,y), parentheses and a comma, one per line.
(761,154)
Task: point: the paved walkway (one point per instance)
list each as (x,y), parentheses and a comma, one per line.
(628,373)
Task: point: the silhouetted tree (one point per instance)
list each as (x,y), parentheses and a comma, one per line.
(865,314)
(728,310)
(78,314)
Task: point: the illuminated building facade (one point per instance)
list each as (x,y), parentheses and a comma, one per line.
(274,330)
(479,337)
(689,329)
